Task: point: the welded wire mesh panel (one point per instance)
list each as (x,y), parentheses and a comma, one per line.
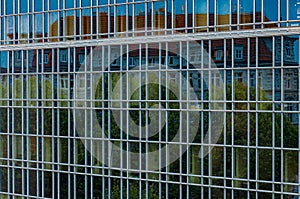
(35,21)
(149,99)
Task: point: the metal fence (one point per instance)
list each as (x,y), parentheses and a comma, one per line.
(149,99)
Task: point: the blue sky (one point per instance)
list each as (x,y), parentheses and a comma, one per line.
(270,6)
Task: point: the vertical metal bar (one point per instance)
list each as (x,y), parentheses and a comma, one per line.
(97,20)
(70,51)
(273,115)
(91,93)
(248,114)
(80,19)
(279,15)
(287,13)
(73,136)
(103,116)
(202,117)
(232,114)
(13,143)
(1,42)
(186,16)
(54,52)
(298,107)
(262,14)
(39,55)
(133,18)
(64,21)
(109,117)
(254,13)
(152,18)
(9,181)
(281,116)
(146,19)
(207,14)
(209,120)
(58,144)
(115,18)
(14,22)
(28,20)
(33,22)
(85,123)
(230,15)
(127,18)
(22,125)
(215,15)
(43,98)
(146,106)
(121,113)
(238,13)
(4,22)
(225,116)
(256,118)
(27,124)
(193,16)
(167,124)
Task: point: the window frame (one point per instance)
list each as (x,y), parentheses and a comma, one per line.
(238,52)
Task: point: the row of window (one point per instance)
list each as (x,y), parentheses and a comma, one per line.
(172,60)
(136,19)
(243,54)
(238,54)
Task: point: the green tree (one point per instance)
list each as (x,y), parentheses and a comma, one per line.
(29,112)
(258,128)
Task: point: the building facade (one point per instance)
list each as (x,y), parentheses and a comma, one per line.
(149,98)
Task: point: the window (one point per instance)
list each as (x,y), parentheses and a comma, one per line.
(152,61)
(289,51)
(143,61)
(191,80)
(288,80)
(63,56)
(171,60)
(195,58)
(46,58)
(131,62)
(18,55)
(81,58)
(163,60)
(219,54)
(238,53)
(64,82)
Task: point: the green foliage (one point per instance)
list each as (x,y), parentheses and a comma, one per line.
(259,120)
(30,111)
(263,126)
